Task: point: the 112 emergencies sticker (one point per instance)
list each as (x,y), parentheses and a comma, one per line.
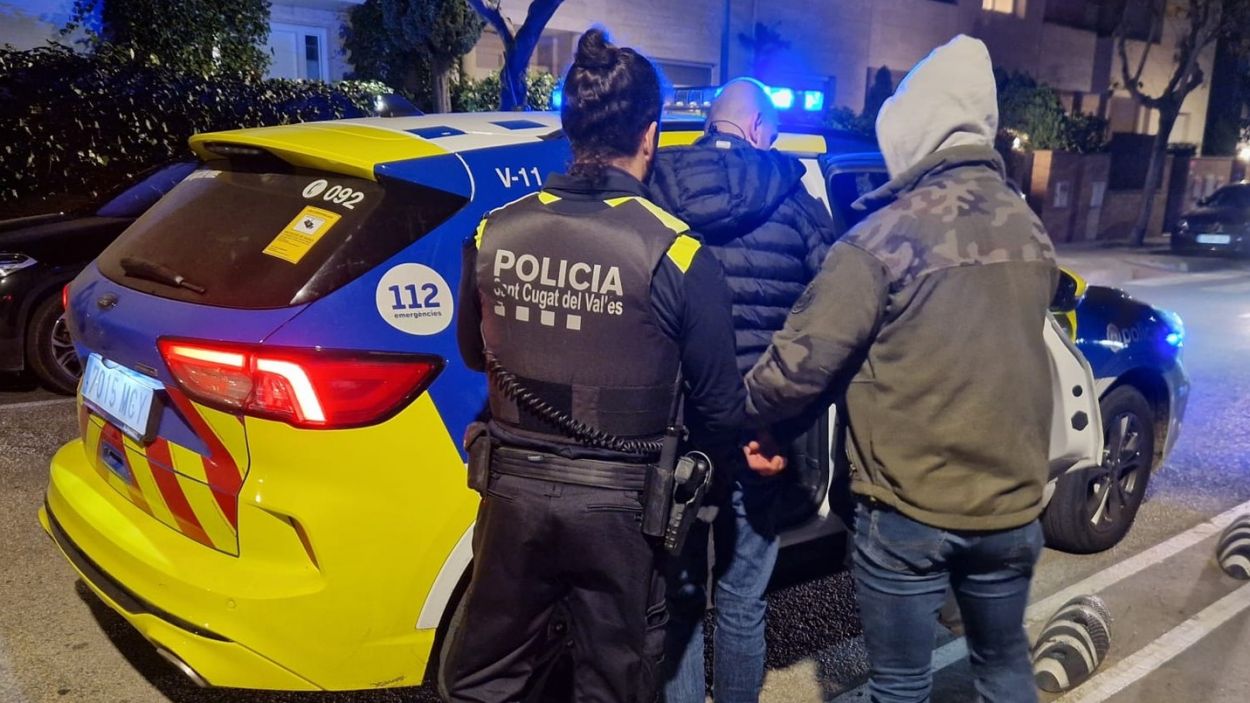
(413,298)
(297,238)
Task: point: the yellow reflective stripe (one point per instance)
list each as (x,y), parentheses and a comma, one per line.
(481,226)
(208,514)
(481,229)
(147,485)
(679,138)
(802,143)
(187,462)
(547,198)
(1081,283)
(660,214)
(682,251)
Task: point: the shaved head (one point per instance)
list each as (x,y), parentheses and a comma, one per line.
(744,109)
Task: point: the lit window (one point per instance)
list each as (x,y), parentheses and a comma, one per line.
(1003,6)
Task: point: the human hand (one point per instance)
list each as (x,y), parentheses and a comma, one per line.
(763,456)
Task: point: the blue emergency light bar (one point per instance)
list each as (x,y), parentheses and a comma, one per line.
(783,98)
(698,99)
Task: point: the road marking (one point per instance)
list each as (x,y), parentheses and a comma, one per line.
(35,404)
(1041,610)
(1141,663)
(1183,278)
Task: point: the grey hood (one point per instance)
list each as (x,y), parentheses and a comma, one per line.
(949,99)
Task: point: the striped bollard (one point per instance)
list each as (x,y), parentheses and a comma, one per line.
(1233,549)
(1072,645)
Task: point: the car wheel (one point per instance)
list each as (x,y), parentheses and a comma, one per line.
(50,352)
(1093,509)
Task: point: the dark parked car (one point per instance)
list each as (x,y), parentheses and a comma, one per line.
(1220,223)
(40,254)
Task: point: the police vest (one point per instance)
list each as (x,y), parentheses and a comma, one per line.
(565,289)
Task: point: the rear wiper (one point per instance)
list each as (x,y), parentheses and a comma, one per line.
(157,273)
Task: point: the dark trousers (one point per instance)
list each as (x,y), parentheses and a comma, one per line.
(540,546)
(903,571)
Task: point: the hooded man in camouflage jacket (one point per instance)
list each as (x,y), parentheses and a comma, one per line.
(933,310)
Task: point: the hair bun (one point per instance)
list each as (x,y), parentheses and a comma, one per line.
(594,52)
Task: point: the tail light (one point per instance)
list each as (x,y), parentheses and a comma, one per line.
(309,388)
(65,297)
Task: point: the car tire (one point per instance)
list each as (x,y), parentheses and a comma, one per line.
(50,354)
(1092,509)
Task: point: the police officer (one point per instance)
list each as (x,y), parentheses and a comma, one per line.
(585,302)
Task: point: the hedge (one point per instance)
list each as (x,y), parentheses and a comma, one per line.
(75,126)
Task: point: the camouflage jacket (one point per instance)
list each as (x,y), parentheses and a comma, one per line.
(932,310)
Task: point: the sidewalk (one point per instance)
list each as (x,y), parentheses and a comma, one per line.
(1114,263)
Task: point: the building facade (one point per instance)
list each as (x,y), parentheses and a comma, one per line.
(834,45)
(840,44)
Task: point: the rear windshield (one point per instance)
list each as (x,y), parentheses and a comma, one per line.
(263,235)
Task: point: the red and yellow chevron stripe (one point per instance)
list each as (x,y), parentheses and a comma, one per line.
(194,494)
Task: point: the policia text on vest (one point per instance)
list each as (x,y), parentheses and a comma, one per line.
(572,286)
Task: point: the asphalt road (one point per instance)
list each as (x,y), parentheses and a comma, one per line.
(1181,631)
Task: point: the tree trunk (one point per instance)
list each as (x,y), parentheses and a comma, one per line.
(1154,174)
(442,86)
(512,82)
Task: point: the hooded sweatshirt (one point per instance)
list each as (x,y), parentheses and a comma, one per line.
(933,309)
(752,212)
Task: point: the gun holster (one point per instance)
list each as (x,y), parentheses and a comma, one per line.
(479,446)
(672,497)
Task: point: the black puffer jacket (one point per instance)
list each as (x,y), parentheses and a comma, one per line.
(750,208)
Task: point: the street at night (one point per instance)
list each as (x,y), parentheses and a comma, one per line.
(1181,629)
(574,351)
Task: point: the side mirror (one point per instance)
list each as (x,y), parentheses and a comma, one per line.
(1069,293)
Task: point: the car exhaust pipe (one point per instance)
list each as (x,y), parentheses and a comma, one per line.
(182,666)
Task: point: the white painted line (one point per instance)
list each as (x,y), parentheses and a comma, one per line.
(1041,610)
(35,404)
(1141,663)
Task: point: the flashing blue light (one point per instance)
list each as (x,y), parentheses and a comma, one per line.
(557,97)
(813,100)
(1176,335)
(783,98)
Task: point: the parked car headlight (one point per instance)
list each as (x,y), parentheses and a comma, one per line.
(12,263)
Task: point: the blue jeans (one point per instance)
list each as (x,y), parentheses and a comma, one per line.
(903,570)
(745,538)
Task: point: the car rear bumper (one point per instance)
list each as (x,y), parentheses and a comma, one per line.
(236,622)
(211,658)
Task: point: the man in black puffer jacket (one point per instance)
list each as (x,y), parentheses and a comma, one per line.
(748,204)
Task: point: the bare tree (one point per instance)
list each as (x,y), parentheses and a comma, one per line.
(518,45)
(1198,24)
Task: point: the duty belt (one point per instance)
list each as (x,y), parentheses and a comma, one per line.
(558,469)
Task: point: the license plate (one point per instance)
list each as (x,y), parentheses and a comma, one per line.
(126,398)
(1214,239)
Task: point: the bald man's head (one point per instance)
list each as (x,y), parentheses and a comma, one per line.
(744,109)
